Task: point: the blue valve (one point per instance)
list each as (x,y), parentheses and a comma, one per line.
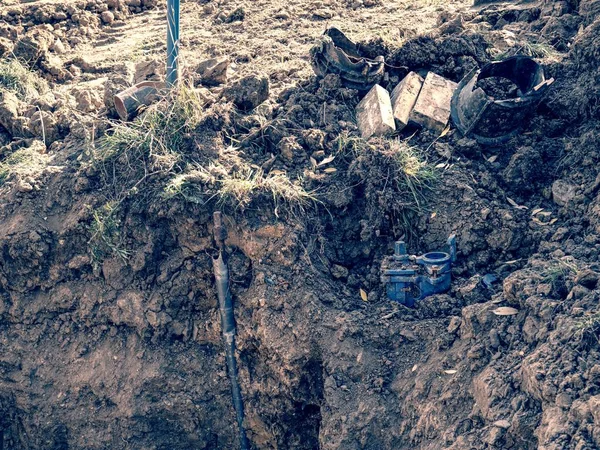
(409,278)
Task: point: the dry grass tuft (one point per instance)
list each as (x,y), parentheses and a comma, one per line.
(24,163)
(237,186)
(24,83)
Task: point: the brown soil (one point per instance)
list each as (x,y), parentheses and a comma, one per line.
(115,343)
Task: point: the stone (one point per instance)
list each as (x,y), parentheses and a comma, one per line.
(107,17)
(374,113)
(59,47)
(213,71)
(248,93)
(432,109)
(563,192)
(404,96)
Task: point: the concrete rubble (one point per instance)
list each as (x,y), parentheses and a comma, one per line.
(422,102)
(374,113)
(404,97)
(432,109)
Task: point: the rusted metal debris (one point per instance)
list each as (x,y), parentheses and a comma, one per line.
(335,53)
(492,121)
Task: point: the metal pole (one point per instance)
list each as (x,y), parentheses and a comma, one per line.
(172,42)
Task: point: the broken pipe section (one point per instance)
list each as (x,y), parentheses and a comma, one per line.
(228,325)
(129,102)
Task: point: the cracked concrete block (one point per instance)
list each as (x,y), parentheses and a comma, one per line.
(432,109)
(374,113)
(404,96)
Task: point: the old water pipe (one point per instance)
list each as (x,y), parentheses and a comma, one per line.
(221,272)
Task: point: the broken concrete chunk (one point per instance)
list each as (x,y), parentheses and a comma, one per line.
(563,192)
(432,109)
(374,113)
(404,96)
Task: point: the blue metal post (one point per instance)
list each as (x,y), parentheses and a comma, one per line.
(172,41)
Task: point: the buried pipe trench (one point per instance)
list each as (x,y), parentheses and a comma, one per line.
(228,329)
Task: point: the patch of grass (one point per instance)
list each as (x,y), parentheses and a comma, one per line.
(159,141)
(396,176)
(540,50)
(238,186)
(408,174)
(587,330)
(106,239)
(21,81)
(558,270)
(25,162)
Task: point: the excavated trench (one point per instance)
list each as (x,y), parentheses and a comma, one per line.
(105,351)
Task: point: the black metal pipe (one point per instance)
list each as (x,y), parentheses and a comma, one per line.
(228,328)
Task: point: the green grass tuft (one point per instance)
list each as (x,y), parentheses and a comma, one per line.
(106,237)
(24,83)
(238,187)
(25,162)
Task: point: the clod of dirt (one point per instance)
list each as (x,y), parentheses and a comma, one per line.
(107,17)
(88,100)
(213,72)
(237,15)
(450,56)
(33,46)
(6,47)
(59,47)
(563,192)
(589,10)
(587,278)
(248,93)
(150,70)
(498,88)
(523,169)
(11,109)
(291,150)
(43,126)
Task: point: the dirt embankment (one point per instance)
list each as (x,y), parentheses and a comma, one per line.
(109,327)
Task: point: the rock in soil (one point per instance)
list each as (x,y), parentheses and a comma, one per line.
(213,72)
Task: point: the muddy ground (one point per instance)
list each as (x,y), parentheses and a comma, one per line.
(109,327)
